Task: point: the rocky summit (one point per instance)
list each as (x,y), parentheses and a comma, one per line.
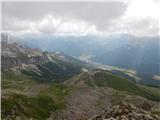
(125,112)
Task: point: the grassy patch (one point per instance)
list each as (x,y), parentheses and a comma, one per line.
(123,84)
(15,81)
(38,107)
(58,92)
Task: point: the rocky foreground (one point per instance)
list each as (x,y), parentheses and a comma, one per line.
(125,112)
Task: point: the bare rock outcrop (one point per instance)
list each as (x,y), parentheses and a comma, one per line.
(125,112)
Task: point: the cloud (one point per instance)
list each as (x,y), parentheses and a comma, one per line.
(80,18)
(144,9)
(134,26)
(51,25)
(81,10)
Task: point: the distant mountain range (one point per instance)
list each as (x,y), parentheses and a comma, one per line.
(124,51)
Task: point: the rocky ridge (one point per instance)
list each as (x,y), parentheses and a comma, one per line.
(125,112)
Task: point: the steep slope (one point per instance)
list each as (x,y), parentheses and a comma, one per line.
(103,78)
(37,64)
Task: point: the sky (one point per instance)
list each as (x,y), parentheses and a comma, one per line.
(134,17)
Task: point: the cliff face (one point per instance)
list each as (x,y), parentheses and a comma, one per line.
(37,64)
(9,62)
(14,54)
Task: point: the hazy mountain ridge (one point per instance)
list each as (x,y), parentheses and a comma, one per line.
(125,51)
(37,63)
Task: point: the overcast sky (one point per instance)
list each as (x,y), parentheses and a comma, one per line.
(137,17)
